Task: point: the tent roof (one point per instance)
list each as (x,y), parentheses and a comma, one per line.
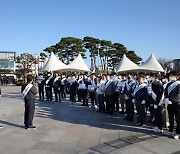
(54,64)
(152,64)
(78,64)
(126,65)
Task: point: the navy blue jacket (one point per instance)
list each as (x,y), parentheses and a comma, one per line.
(142,93)
(129,88)
(174,95)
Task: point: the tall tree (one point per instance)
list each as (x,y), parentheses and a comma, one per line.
(50,49)
(133,57)
(116,54)
(91,44)
(106,48)
(70,47)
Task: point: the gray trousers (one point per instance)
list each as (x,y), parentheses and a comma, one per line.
(122,101)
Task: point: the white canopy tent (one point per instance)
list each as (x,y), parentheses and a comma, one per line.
(127,65)
(78,64)
(54,64)
(151,64)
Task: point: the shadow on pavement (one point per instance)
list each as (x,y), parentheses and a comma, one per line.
(11,124)
(77,114)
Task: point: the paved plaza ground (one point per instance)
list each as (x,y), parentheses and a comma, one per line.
(63,128)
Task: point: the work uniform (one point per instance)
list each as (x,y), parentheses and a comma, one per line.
(48,87)
(157,100)
(29,104)
(140,96)
(172,95)
(56,87)
(128,90)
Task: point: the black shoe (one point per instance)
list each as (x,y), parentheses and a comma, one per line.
(30,127)
(1,126)
(83,105)
(121,112)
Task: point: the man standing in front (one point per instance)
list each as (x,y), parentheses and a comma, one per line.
(29,91)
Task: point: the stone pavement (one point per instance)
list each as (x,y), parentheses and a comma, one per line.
(63,128)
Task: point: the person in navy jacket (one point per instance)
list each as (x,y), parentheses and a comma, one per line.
(140,96)
(56,87)
(128,90)
(49,85)
(157,100)
(172,97)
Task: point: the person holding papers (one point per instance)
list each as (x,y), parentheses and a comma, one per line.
(29,91)
(121,86)
(92,89)
(116,94)
(140,95)
(48,86)
(63,86)
(172,98)
(83,87)
(110,88)
(56,87)
(100,94)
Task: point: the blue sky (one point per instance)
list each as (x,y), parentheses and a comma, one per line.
(145,26)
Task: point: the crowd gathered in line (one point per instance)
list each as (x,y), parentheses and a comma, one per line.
(123,93)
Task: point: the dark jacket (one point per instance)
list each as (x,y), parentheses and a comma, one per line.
(158,89)
(73,88)
(142,93)
(129,88)
(32,92)
(174,95)
(57,84)
(110,89)
(50,83)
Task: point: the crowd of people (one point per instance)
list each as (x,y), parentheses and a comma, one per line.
(110,93)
